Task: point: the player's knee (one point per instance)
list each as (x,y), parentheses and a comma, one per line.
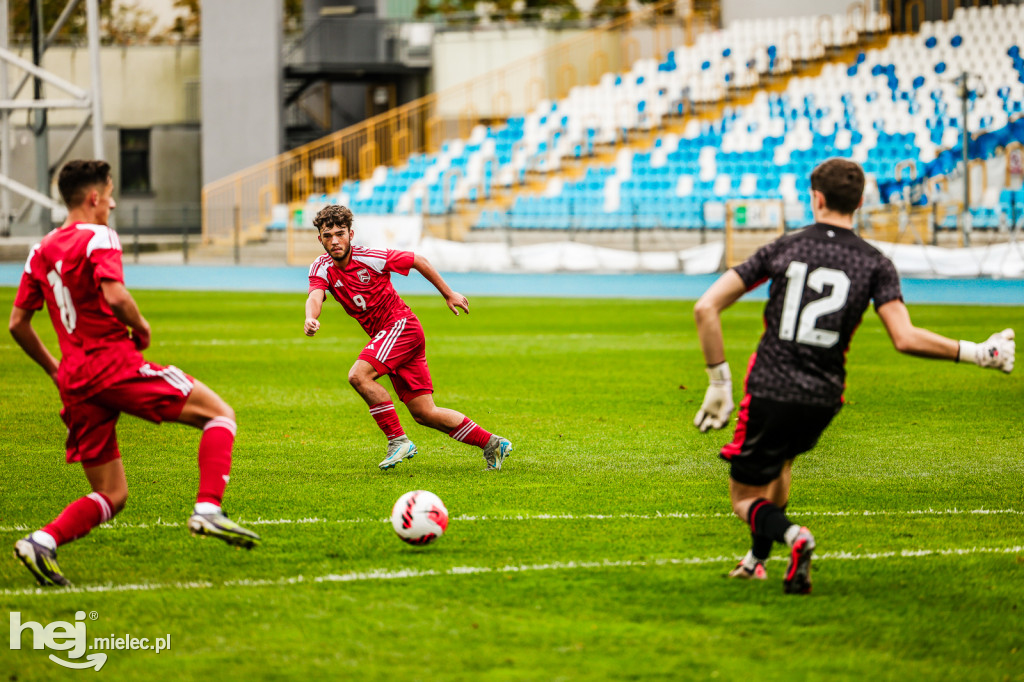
(118,499)
(356,378)
(423,417)
(226,411)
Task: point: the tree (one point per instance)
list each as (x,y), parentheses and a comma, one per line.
(20,19)
(125,24)
(186,25)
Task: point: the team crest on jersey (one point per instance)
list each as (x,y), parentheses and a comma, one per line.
(364,276)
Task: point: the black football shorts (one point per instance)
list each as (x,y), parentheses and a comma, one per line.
(768,433)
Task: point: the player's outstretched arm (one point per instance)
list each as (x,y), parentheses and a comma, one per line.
(126,310)
(997,352)
(314,305)
(718,405)
(25,335)
(453,299)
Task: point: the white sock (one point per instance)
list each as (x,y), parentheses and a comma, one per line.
(45,539)
(207,508)
(750,562)
(791,534)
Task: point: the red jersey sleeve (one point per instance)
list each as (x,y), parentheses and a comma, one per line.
(318,275)
(399,261)
(104,252)
(107,265)
(30,292)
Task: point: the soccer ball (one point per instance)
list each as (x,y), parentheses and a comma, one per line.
(419,517)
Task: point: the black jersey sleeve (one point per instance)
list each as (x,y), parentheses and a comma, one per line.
(756,269)
(885,286)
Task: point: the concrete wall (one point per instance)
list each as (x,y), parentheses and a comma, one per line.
(460,56)
(153,87)
(142,85)
(174,173)
(241,84)
(173,201)
(760,9)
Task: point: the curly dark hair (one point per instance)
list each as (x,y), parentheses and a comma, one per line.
(79,176)
(333,216)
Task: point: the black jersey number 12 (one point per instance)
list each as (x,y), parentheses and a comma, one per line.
(801,324)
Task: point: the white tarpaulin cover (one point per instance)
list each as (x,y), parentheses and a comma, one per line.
(995,260)
(1005,260)
(565,257)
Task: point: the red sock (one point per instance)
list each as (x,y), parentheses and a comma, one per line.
(471,434)
(215,458)
(387,419)
(80,517)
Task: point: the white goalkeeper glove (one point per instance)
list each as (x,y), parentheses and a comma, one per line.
(997,352)
(717,406)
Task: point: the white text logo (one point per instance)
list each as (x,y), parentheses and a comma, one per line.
(71,637)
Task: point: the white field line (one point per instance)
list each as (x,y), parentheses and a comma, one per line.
(298,338)
(160,523)
(410,573)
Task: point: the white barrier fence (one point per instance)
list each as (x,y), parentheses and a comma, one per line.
(1005,260)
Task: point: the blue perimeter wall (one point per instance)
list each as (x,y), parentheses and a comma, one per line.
(647,285)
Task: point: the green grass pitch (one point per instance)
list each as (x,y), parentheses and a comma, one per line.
(597,553)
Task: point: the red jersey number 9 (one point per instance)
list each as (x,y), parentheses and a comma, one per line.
(359,301)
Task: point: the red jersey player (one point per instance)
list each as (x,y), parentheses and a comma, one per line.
(76,270)
(360,280)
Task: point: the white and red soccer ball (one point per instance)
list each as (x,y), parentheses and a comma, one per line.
(419,517)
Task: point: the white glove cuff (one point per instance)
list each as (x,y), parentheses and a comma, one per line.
(719,374)
(968,352)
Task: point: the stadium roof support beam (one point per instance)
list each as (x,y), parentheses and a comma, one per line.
(90,100)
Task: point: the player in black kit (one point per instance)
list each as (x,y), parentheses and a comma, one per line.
(822,279)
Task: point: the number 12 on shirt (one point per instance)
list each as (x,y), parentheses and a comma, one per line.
(806,331)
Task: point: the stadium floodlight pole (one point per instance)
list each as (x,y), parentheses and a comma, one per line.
(82,99)
(39,122)
(50,38)
(92,20)
(965,96)
(5,129)
(965,139)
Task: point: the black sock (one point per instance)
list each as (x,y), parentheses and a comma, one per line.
(768,521)
(761,546)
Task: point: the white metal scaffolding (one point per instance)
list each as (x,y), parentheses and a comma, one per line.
(72,97)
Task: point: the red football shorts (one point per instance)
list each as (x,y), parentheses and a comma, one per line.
(400,352)
(154,393)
